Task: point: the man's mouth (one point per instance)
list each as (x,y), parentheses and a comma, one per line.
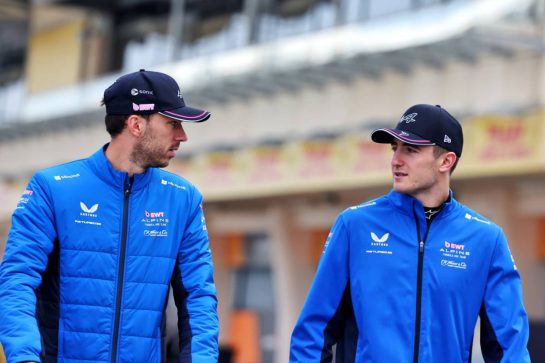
(172,151)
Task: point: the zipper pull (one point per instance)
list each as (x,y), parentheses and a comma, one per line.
(128,187)
(421,248)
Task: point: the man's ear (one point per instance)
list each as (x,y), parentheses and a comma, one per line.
(448,160)
(136,125)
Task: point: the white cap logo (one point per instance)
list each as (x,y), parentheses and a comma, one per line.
(408,118)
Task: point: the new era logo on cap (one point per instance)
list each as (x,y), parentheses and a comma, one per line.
(425,125)
(147,92)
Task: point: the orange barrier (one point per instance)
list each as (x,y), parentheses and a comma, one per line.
(244,337)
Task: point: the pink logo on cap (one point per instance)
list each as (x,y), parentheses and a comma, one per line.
(143,107)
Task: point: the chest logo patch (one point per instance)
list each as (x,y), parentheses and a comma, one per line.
(88,215)
(379,245)
(382,239)
(86,209)
(455,255)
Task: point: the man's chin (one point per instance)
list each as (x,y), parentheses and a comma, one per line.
(160,164)
(399,188)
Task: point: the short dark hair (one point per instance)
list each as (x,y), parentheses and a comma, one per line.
(116,123)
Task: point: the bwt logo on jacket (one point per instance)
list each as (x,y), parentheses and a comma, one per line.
(154,214)
(454,246)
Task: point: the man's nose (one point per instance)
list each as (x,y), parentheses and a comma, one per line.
(181,135)
(396,159)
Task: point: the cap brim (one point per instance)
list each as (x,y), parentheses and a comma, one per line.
(187,114)
(386,136)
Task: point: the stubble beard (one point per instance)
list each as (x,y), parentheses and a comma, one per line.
(147,155)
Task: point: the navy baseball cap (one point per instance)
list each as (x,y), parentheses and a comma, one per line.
(146,92)
(425,125)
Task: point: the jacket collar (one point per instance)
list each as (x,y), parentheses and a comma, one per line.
(106,172)
(406,203)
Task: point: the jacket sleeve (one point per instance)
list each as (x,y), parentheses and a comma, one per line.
(504,324)
(320,324)
(30,241)
(195,292)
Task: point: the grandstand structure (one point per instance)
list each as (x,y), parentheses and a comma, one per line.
(294,88)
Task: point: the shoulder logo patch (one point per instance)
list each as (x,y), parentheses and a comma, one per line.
(470,217)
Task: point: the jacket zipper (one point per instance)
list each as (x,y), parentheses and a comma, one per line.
(421,243)
(121,268)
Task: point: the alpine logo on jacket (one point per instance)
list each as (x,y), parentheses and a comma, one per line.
(154,220)
(455,255)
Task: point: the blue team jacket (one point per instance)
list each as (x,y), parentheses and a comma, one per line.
(88,264)
(388,289)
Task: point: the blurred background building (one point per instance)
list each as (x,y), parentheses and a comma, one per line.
(294,86)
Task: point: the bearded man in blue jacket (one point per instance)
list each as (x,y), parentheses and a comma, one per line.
(404,277)
(95,244)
